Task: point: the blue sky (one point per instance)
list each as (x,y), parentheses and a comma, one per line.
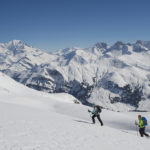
(54,24)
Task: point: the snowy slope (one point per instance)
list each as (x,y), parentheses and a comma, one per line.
(117,76)
(16,93)
(31,120)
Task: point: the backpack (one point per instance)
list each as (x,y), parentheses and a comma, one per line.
(144,121)
(99,109)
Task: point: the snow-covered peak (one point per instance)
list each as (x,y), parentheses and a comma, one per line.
(141,46)
(119,49)
(140,42)
(15,47)
(20,56)
(101,45)
(15,44)
(143,43)
(118,45)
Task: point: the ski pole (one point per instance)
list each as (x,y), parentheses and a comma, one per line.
(136,124)
(137,130)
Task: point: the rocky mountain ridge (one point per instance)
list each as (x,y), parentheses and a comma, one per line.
(116,77)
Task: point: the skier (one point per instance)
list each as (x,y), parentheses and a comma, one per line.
(142,125)
(96,113)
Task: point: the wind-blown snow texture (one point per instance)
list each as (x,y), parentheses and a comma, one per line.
(116,77)
(32,120)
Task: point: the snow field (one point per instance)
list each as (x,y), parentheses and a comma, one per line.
(26,128)
(32,120)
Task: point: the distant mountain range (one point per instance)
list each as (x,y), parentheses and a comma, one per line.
(116,77)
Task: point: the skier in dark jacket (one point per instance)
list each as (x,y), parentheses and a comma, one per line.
(96,113)
(141,127)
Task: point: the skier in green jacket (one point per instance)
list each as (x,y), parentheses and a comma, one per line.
(141,127)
